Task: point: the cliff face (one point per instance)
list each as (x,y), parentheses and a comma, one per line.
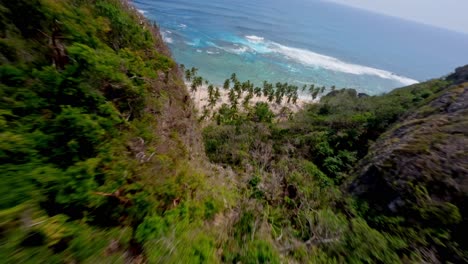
(96,131)
(101,159)
(177,108)
(418,170)
(460,75)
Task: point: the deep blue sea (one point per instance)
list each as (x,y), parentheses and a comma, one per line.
(304,42)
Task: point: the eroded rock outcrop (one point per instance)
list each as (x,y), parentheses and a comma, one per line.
(418,170)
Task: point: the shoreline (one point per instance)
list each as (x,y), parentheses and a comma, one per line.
(201,98)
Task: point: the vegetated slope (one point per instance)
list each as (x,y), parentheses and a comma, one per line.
(415,177)
(100,160)
(99,152)
(295,175)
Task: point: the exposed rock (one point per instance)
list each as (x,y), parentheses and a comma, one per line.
(460,75)
(419,169)
(349,91)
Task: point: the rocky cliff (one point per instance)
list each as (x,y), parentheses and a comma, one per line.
(418,170)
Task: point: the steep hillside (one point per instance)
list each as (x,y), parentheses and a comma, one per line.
(102,159)
(298,176)
(98,144)
(416,174)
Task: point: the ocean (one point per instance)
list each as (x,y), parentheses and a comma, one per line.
(304,42)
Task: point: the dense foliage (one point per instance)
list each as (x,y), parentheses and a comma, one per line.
(295,175)
(101,159)
(91,164)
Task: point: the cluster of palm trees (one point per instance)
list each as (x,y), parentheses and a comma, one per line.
(274,93)
(315,91)
(191,75)
(242,93)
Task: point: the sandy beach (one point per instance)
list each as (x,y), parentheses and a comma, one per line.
(201,99)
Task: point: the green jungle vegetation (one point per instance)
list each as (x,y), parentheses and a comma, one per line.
(104,159)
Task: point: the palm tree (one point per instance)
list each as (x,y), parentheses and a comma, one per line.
(311,88)
(210,91)
(246,101)
(226,84)
(193,87)
(251,89)
(205,114)
(279,96)
(315,93)
(217,94)
(197,82)
(238,88)
(265,88)
(194,71)
(212,96)
(233,77)
(244,86)
(294,99)
(312,91)
(188,75)
(258,91)
(289,96)
(271,96)
(233,98)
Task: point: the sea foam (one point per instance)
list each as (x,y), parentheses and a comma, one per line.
(309,58)
(254,38)
(237,50)
(166,38)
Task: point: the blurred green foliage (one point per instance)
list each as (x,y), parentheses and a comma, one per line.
(91,171)
(82,180)
(296,170)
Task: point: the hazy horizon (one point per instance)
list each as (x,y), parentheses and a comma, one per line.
(447,14)
(281,41)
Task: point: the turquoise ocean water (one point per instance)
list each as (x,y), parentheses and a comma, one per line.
(304,42)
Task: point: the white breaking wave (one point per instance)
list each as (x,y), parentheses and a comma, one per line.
(257,44)
(309,58)
(209,43)
(254,38)
(142,11)
(237,51)
(194,42)
(166,38)
(240,50)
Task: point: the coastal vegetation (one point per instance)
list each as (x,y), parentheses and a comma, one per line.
(98,154)
(235,96)
(296,175)
(104,158)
